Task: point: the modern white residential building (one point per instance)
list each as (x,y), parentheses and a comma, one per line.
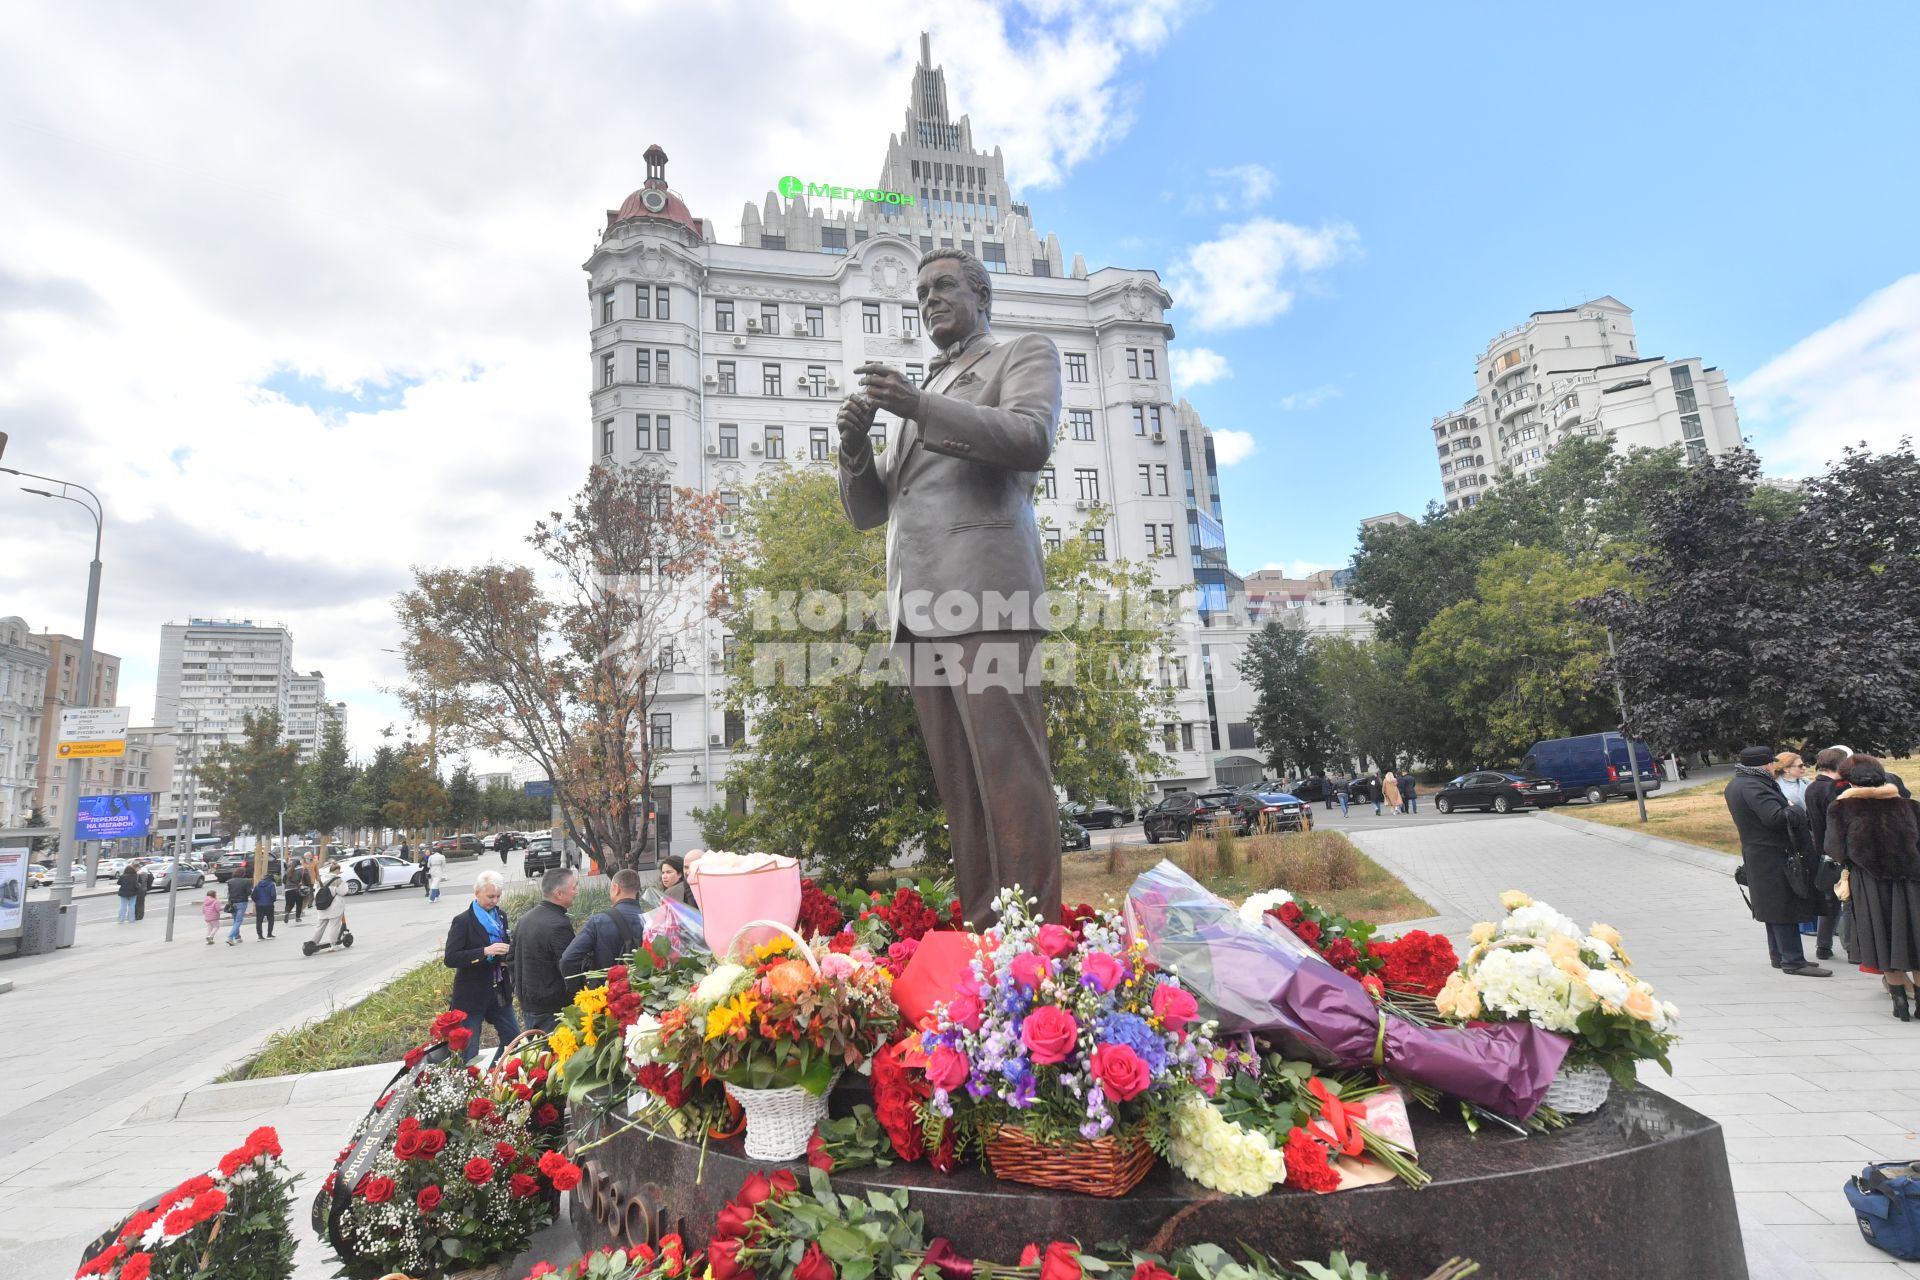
(23,693)
(1576,371)
(309,712)
(212,673)
(725,363)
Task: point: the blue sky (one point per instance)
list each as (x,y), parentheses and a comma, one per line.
(1741,176)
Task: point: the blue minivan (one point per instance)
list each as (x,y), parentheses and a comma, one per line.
(1593,765)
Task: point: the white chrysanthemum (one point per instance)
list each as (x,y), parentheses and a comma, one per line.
(1525,983)
(717,984)
(1538,920)
(1214,1152)
(1609,986)
(1597,948)
(1259,904)
(643,1040)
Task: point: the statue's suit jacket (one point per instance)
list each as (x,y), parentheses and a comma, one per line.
(955,489)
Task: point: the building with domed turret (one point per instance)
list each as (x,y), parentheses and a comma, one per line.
(724,363)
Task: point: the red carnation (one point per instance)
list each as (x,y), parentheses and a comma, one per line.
(1307,1167)
(1061,1262)
(819,914)
(429,1198)
(234,1161)
(550,1162)
(478,1171)
(817,1154)
(378,1190)
(479,1108)
(567,1178)
(813,1265)
(522,1185)
(264,1142)
(673,1252)
(842,943)
(138,1266)
(1419,962)
(547,1116)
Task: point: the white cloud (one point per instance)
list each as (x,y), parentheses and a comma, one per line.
(400,196)
(1197,366)
(1298,401)
(1232,447)
(1856,380)
(1241,187)
(1248,275)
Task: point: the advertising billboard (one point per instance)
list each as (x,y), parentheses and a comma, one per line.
(113,817)
(13,888)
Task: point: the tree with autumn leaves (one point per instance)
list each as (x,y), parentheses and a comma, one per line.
(561,664)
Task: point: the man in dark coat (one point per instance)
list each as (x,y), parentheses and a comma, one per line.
(540,938)
(609,935)
(1770,830)
(1827,783)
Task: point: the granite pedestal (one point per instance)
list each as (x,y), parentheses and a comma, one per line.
(1637,1191)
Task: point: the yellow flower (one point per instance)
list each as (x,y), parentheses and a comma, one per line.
(735,1012)
(588,1035)
(774,948)
(1482,932)
(1514,899)
(564,1045)
(591,1000)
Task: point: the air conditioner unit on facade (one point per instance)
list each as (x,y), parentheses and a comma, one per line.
(713,739)
(1159,437)
(1079,504)
(726,531)
(799,329)
(739,341)
(714,656)
(713,450)
(710,379)
(754,447)
(833,384)
(753,326)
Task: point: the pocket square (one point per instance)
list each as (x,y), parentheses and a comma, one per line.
(963,380)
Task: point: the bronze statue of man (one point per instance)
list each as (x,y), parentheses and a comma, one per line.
(964,572)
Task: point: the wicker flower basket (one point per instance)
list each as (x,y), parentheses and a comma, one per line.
(1578,1090)
(1109,1166)
(779,1121)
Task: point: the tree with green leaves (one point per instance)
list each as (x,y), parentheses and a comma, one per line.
(463,797)
(37,817)
(252,781)
(417,802)
(1365,693)
(561,667)
(1289,711)
(325,799)
(835,770)
(372,787)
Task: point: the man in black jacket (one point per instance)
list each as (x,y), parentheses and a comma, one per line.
(609,935)
(1827,783)
(1771,830)
(239,898)
(539,940)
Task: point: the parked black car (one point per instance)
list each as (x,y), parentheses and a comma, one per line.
(231,862)
(1497,790)
(542,857)
(1307,789)
(1073,836)
(1100,814)
(1281,810)
(1175,817)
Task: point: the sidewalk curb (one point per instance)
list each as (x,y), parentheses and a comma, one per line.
(1672,850)
(245,1097)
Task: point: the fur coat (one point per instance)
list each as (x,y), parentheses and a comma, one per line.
(1876,830)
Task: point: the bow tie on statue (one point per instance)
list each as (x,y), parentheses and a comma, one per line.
(951,354)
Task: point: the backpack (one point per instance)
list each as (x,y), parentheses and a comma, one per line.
(324,898)
(576,982)
(1886,1207)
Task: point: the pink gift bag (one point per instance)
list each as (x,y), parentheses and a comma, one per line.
(732,889)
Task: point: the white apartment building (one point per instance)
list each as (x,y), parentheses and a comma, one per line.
(1576,371)
(725,364)
(309,712)
(212,673)
(23,692)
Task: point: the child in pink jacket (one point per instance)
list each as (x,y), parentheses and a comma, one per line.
(210,911)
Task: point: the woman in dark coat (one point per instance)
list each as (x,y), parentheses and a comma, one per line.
(477,951)
(1768,828)
(1873,832)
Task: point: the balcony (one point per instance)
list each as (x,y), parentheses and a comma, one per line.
(1513,402)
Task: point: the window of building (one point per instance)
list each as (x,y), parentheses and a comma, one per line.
(1166,538)
(606,438)
(877,437)
(723,317)
(816,322)
(769,317)
(769,379)
(1533,454)
(727,378)
(1146,479)
(926,242)
(993,256)
(641,300)
(729,505)
(662,308)
(1682,378)
(662,369)
(662,432)
(1076,366)
(817,379)
(660,731)
(817,444)
(910,322)
(776,442)
(869,317)
(1049,486)
(662,501)
(768,241)
(1087,482)
(860,233)
(1527,433)
(946,242)
(606,369)
(1160,474)
(1042,267)
(1690,427)
(606,307)
(1050,539)
(1684,400)
(736,729)
(1146,362)
(1186,736)
(642,432)
(729,440)
(1696,451)
(833,239)
(1153,538)
(1153,418)
(1133,362)
(669,657)
(917,373)
(1097,545)
(1081,421)
(1139,419)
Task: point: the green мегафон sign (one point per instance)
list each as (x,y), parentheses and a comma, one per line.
(792,187)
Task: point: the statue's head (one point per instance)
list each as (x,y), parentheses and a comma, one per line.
(956,295)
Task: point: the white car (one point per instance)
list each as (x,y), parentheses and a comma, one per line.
(392,872)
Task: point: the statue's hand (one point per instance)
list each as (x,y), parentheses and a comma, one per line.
(890,389)
(855,419)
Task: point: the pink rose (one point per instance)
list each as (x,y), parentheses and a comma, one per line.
(1120,1071)
(964,1011)
(1054,940)
(947,1068)
(1104,970)
(1176,1008)
(902,951)
(1049,1033)
(1030,970)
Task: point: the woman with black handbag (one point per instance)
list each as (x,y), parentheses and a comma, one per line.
(1873,832)
(1773,869)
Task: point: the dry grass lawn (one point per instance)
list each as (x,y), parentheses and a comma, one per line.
(1698,816)
(1321,865)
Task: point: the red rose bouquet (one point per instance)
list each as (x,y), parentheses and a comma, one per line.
(667,1261)
(231,1221)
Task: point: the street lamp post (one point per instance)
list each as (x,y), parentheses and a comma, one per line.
(1633,766)
(65,822)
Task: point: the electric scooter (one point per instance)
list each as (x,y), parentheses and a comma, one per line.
(343,940)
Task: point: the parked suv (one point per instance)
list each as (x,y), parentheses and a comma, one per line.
(1100,814)
(1175,817)
(461,846)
